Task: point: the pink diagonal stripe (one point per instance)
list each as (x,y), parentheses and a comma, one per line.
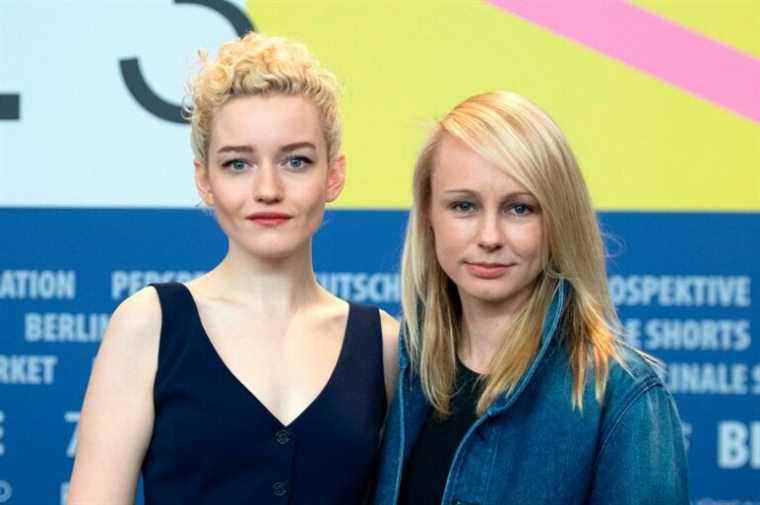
(688,60)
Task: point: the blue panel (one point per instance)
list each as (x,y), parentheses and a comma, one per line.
(684,283)
(700,319)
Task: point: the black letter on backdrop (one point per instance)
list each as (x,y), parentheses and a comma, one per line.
(10,108)
(138,86)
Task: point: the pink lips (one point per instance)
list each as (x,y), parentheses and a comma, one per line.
(268,219)
(484,270)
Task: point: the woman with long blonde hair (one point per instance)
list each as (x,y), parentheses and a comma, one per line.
(514,385)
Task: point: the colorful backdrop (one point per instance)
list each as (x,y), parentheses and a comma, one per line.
(660,100)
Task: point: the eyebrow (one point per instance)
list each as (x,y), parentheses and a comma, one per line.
(248,149)
(297,145)
(471,192)
(235,149)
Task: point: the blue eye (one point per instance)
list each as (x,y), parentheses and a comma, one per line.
(236,165)
(521,209)
(462,206)
(297,163)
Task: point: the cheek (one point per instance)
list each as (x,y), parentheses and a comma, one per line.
(455,234)
(528,241)
(311,193)
(228,192)
(451,239)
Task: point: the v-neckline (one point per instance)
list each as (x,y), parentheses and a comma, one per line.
(250,394)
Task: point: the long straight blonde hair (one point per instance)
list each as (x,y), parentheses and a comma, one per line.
(513,133)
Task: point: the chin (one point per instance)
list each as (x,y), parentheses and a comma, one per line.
(494,294)
(274,249)
(488,296)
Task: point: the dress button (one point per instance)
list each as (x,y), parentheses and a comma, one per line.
(282,437)
(279,489)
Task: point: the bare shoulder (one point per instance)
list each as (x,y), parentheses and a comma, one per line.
(390,329)
(333,314)
(135,326)
(128,354)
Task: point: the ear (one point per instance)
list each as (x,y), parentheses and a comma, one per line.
(336,177)
(202,183)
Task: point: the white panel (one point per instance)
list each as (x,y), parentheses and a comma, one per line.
(82,140)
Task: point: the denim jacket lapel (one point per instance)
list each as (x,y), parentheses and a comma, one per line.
(548,336)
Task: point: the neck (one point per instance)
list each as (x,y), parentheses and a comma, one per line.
(273,286)
(483,329)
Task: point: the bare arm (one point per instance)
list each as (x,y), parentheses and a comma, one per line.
(117,416)
(390,329)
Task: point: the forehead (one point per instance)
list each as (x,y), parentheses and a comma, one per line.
(457,167)
(267,121)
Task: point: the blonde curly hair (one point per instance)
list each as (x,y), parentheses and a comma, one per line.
(257,64)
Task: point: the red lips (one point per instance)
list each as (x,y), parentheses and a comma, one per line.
(268,219)
(486,270)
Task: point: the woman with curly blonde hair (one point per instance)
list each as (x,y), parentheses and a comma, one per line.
(235,387)
(513,385)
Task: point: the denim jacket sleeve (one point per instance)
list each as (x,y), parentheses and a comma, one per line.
(642,459)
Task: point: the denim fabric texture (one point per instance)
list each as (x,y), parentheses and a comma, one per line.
(532,447)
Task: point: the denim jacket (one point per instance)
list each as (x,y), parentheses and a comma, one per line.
(532,447)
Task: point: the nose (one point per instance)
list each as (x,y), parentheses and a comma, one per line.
(490,233)
(267,185)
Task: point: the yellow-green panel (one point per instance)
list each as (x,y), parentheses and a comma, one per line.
(642,143)
(734,23)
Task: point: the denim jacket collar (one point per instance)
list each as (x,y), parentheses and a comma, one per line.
(549,328)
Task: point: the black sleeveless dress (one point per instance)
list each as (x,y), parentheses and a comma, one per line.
(215,443)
